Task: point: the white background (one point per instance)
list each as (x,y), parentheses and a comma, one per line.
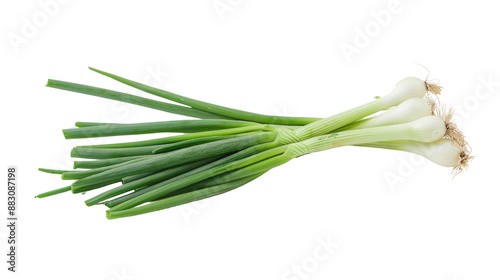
(273,57)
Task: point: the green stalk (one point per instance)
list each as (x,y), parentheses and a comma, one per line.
(147,181)
(248,166)
(182,198)
(102,183)
(201,140)
(119,200)
(274,154)
(183,126)
(132,99)
(79,174)
(109,153)
(214,181)
(54,192)
(236,156)
(91,164)
(89,124)
(53,171)
(184,137)
(177,157)
(135,177)
(209,107)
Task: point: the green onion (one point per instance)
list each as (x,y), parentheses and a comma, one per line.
(228,148)
(427,129)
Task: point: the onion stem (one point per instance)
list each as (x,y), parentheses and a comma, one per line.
(54,192)
(147,181)
(132,99)
(183,137)
(177,157)
(209,107)
(182,198)
(91,164)
(185,126)
(228,148)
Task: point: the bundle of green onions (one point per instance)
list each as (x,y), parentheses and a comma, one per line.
(225,148)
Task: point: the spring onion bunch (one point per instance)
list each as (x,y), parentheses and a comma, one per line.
(225,148)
